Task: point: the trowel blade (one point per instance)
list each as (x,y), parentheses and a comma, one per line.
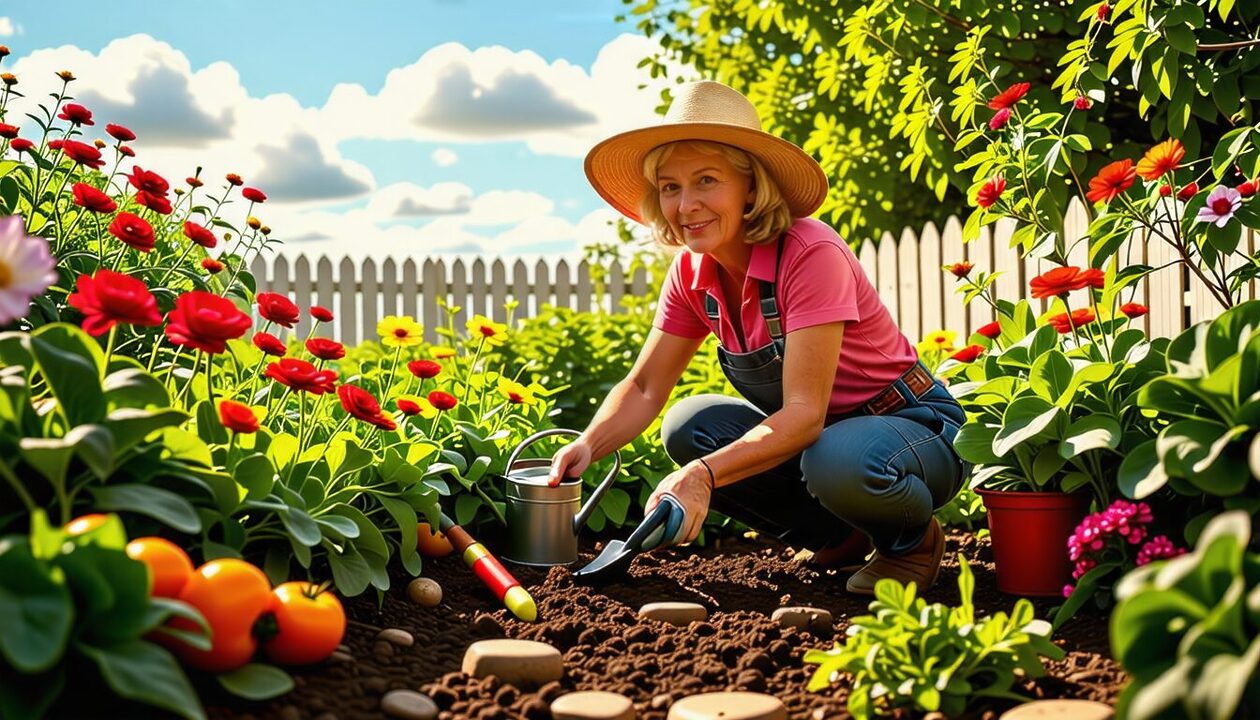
(613,559)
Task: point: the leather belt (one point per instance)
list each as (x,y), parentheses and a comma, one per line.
(917,378)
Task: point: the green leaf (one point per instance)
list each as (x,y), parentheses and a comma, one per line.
(1091,432)
(1050,375)
(1141,473)
(256,474)
(142,671)
(1026,419)
(256,681)
(155,502)
(209,428)
(70,360)
(405,519)
(466,508)
(179,444)
(132,387)
(37,609)
(131,425)
(350,570)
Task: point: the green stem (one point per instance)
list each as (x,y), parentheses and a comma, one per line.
(109,350)
(18,488)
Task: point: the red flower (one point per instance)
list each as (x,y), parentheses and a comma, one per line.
(1134,310)
(1246,189)
(108,298)
(193,182)
(120,133)
(1103,11)
(325,349)
(86,196)
(205,321)
(148,181)
(133,230)
(1059,281)
(321,314)
(999,119)
(301,376)
(254,195)
(237,417)
(968,354)
(442,400)
(76,114)
(22,145)
(1111,181)
(211,265)
(199,235)
(1093,277)
(56,144)
(424,369)
(269,344)
(126,150)
(157,203)
(1080,318)
(81,153)
(1008,97)
(990,193)
(1188,191)
(1082,103)
(407,407)
(233,179)
(360,404)
(991,331)
(8,131)
(277,308)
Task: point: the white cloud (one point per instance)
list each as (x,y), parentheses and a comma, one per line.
(6,27)
(444,157)
(407,200)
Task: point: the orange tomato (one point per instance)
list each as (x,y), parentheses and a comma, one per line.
(169,566)
(85,523)
(231,594)
(432,543)
(309,624)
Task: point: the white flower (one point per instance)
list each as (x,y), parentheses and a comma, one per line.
(26,268)
(1220,206)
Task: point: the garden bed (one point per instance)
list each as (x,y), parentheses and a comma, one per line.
(606,647)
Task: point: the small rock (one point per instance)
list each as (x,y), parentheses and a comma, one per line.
(382,649)
(408,705)
(397,636)
(662,701)
(289,712)
(376,685)
(550,691)
(425,591)
(675,613)
(728,706)
(518,662)
(341,657)
(1045,709)
(803,617)
(592,705)
(487,624)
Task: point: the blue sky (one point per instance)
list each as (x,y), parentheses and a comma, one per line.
(416,127)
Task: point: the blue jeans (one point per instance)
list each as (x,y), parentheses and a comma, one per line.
(881,474)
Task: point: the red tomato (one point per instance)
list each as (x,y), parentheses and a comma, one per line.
(169,566)
(232,595)
(432,543)
(309,624)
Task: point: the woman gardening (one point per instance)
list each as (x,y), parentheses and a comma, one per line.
(842,439)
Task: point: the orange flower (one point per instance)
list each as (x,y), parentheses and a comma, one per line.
(1111,181)
(1059,281)
(1080,318)
(1161,159)
(1134,310)
(960,269)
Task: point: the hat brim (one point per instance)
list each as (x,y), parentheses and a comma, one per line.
(614,167)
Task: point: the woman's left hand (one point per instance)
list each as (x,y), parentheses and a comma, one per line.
(690,486)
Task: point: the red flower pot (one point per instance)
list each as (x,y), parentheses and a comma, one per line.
(1029,531)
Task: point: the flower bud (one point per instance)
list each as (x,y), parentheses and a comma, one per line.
(253,222)
(234,179)
(265,229)
(99,143)
(1082,103)
(4,51)
(9,79)
(179,191)
(1248,188)
(65,75)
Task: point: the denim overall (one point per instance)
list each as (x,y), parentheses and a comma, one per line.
(880,474)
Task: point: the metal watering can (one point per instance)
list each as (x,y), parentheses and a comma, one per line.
(543,522)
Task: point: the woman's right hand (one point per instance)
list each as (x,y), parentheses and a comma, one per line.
(570,462)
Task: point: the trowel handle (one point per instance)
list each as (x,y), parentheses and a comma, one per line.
(671,521)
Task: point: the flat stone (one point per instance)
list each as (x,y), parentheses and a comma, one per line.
(1075,709)
(592,705)
(799,616)
(519,662)
(674,613)
(396,636)
(728,706)
(409,705)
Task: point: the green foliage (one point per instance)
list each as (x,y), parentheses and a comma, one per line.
(1209,392)
(872,85)
(77,608)
(911,656)
(1187,630)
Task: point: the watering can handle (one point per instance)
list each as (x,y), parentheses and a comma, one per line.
(585,511)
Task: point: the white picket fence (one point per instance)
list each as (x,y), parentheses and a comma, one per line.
(906,271)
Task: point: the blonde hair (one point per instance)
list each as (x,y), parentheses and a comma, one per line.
(767,219)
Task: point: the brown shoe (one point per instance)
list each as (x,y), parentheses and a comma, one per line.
(848,555)
(921,565)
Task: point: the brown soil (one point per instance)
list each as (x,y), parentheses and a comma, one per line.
(607,647)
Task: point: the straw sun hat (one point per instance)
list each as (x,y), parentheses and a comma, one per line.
(709,111)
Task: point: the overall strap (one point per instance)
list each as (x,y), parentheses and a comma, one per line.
(769,306)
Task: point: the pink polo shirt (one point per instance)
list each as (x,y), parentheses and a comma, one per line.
(821,282)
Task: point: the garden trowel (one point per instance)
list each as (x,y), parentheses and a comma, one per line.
(661,528)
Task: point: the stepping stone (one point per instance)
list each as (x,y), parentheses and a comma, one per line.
(409,705)
(592,705)
(728,706)
(397,636)
(519,662)
(803,617)
(1046,709)
(425,591)
(674,613)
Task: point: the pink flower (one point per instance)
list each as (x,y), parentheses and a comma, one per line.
(1082,103)
(999,119)
(1222,202)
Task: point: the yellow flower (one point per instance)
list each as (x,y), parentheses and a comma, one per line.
(516,393)
(483,327)
(939,340)
(442,353)
(398,331)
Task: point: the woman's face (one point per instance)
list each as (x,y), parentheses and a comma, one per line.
(702,198)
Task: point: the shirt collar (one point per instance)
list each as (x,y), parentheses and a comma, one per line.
(760,267)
